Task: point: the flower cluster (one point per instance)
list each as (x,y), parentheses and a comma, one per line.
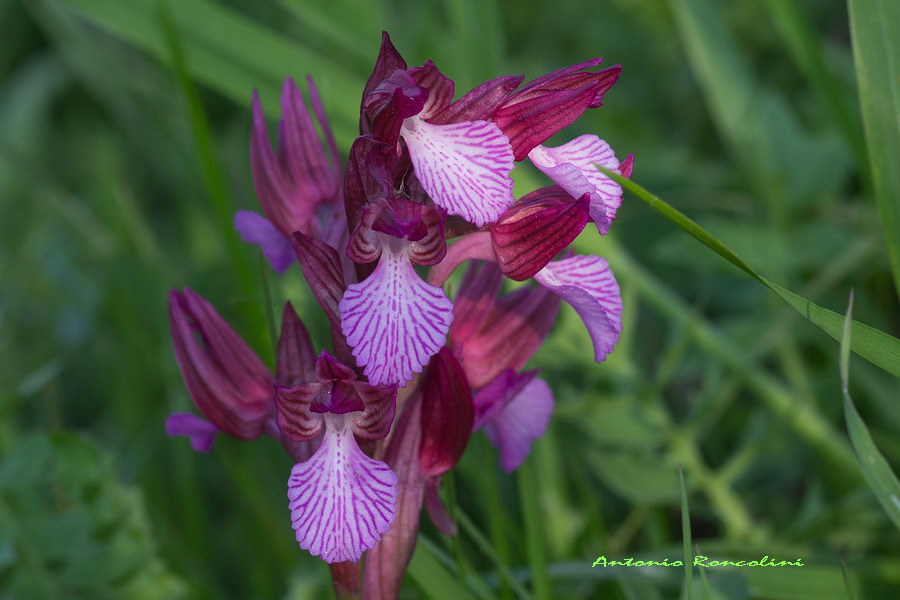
(426,184)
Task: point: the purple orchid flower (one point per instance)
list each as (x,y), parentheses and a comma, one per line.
(425,189)
(341,500)
(298,187)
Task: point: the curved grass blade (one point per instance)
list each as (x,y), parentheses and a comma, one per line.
(876,52)
(878,473)
(877,347)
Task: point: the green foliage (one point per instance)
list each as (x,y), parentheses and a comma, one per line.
(69,529)
(123,147)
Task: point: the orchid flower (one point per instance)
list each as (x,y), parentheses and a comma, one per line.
(425,188)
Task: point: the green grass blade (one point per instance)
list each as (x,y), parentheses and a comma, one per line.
(877,347)
(534,531)
(209,31)
(213,177)
(878,473)
(806,47)
(432,577)
(876,49)
(850,588)
(485,546)
(686,539)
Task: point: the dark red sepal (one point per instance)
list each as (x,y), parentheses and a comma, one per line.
(536,229)
(448,413)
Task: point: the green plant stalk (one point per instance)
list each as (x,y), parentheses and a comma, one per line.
(498,526)
(806,421)
(858,253)
(727,505)
(534,533)
(488,549)
(212,172)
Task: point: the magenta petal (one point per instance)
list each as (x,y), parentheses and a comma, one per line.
(536,229)
(534,120)
(294,404)
(295,358)
(322,269)
(341,500)
(256,229)
(448,412)
(201,432)
(464,166)
(520,423)
(572,167)
(374,423)
(493,398)
(588,285)
(393,320)
(480,102)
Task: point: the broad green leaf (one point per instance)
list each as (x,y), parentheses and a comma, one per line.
(878,472)
(877,347)
(874,26)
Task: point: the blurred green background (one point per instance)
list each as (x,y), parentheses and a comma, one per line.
(124,130)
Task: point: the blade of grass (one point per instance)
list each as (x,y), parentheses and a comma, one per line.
(877,347)
(806,420)
(261,60)
(213,177)
(878,473)
(534,532)
(806,48)
(485,546)
(876,51)
(686,538)
(850,588)
(435,580)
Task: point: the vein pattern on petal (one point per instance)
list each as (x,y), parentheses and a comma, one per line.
(394,321)
(587,283)
(341,500)
(463,166)
(572,167)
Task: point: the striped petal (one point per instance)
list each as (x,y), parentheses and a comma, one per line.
(341,500)
(463,166)
(588,285)
(394,321)
(572,167)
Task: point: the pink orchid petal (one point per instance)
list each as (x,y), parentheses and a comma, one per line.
(256,229)
(341,500)
(588,285)
(463,166)
(202,433)
(394,321)
(572,167)
(523,421)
